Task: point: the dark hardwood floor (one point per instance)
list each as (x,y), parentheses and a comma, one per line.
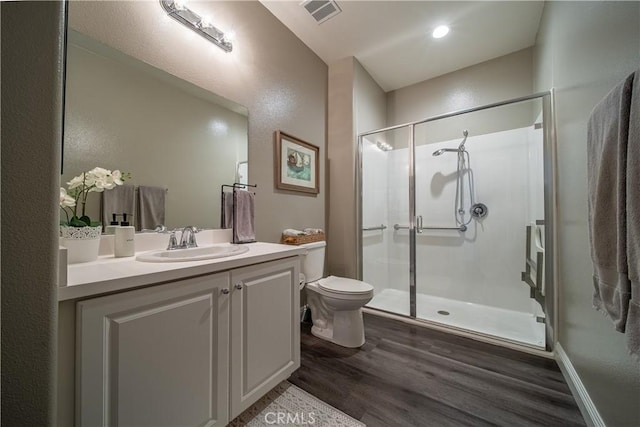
(406,375)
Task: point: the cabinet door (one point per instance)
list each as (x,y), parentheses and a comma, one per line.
(265,329)
(156,356)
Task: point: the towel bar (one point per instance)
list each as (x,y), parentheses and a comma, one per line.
(236,186)
(406,227)
(378,227)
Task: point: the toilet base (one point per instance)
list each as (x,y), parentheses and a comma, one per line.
(347,329)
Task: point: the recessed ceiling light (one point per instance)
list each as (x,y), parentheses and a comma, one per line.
(440,32)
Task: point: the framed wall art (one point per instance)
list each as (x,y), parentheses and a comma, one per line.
(297,164)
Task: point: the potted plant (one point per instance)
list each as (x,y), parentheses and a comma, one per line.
(79,234)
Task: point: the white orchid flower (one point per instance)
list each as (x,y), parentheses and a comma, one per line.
(65,199)
(94,181)
(99,172)
(76,182)
(117,177)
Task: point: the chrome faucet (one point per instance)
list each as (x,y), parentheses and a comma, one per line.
(173,242)
(188,237)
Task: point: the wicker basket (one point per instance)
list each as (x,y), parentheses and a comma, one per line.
(299,240)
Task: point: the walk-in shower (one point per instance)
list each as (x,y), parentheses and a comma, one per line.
(467,246)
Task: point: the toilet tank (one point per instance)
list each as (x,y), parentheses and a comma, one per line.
(313,261)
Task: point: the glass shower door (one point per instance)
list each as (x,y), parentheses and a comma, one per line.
(479,191)
(384,217)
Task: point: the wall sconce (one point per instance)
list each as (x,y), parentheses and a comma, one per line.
(181,13)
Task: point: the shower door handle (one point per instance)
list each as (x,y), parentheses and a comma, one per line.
(419,224)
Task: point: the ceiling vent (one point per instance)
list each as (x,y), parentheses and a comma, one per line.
(322,10)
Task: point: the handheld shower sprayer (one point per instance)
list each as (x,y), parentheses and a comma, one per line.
(460,148)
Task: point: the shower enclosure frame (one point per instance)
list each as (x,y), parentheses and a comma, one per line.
(550,213)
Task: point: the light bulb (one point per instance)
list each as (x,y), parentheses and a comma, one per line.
(440,32)
(205,22)
(230,36)
(179,4)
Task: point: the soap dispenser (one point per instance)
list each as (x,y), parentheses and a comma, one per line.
(125,239)
(111,228)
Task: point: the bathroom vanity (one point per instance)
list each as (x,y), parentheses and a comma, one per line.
(176,343)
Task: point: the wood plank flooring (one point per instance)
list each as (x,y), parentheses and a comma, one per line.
(406,375)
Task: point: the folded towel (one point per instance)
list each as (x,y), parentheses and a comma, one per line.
(292,232)
(242,202)
(633,219)
(607,148)
(151,207)
(245,217)
(313,231)
(121,199)
(226,217)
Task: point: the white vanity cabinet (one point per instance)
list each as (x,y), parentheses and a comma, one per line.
(155,356)
(265,330)
(193,352)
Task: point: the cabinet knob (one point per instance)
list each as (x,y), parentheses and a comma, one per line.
(224,290)
(239,285)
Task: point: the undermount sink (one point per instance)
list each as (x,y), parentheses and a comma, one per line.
(193,254)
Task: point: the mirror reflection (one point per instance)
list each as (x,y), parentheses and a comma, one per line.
(170,135)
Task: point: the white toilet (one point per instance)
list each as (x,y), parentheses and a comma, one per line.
(335,302)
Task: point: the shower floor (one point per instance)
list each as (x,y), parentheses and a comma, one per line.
(512,325)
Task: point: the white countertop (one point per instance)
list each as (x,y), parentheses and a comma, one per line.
(109,274)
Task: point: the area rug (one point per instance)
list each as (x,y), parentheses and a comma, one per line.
(289,405)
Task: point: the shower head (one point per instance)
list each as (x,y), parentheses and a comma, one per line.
(460,148)
(445,150)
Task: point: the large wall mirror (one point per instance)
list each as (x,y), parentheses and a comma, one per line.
(121,113)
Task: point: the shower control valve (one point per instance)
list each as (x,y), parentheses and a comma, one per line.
(479,210)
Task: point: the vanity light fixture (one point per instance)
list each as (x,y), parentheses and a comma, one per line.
(440,32)
(178,10)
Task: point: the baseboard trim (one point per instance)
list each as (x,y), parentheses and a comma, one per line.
(587,407)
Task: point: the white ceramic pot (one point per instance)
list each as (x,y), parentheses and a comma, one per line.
(82,243)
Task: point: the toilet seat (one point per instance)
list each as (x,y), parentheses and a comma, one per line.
(342,285)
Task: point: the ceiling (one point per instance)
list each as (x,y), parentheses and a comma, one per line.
(392,39)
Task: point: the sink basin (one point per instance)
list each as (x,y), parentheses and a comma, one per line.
(193,254)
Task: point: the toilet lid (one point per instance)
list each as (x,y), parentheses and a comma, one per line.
(344,286)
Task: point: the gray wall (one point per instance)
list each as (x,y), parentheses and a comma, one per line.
(270,71)
(583,50)
(356,104)
(31,132)
(499,79)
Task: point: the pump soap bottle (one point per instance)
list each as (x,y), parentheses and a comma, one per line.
(125,243)
(111,228)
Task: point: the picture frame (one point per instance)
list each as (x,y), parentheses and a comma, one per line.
(297,165)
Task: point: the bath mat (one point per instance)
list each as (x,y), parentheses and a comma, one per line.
(287,404)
